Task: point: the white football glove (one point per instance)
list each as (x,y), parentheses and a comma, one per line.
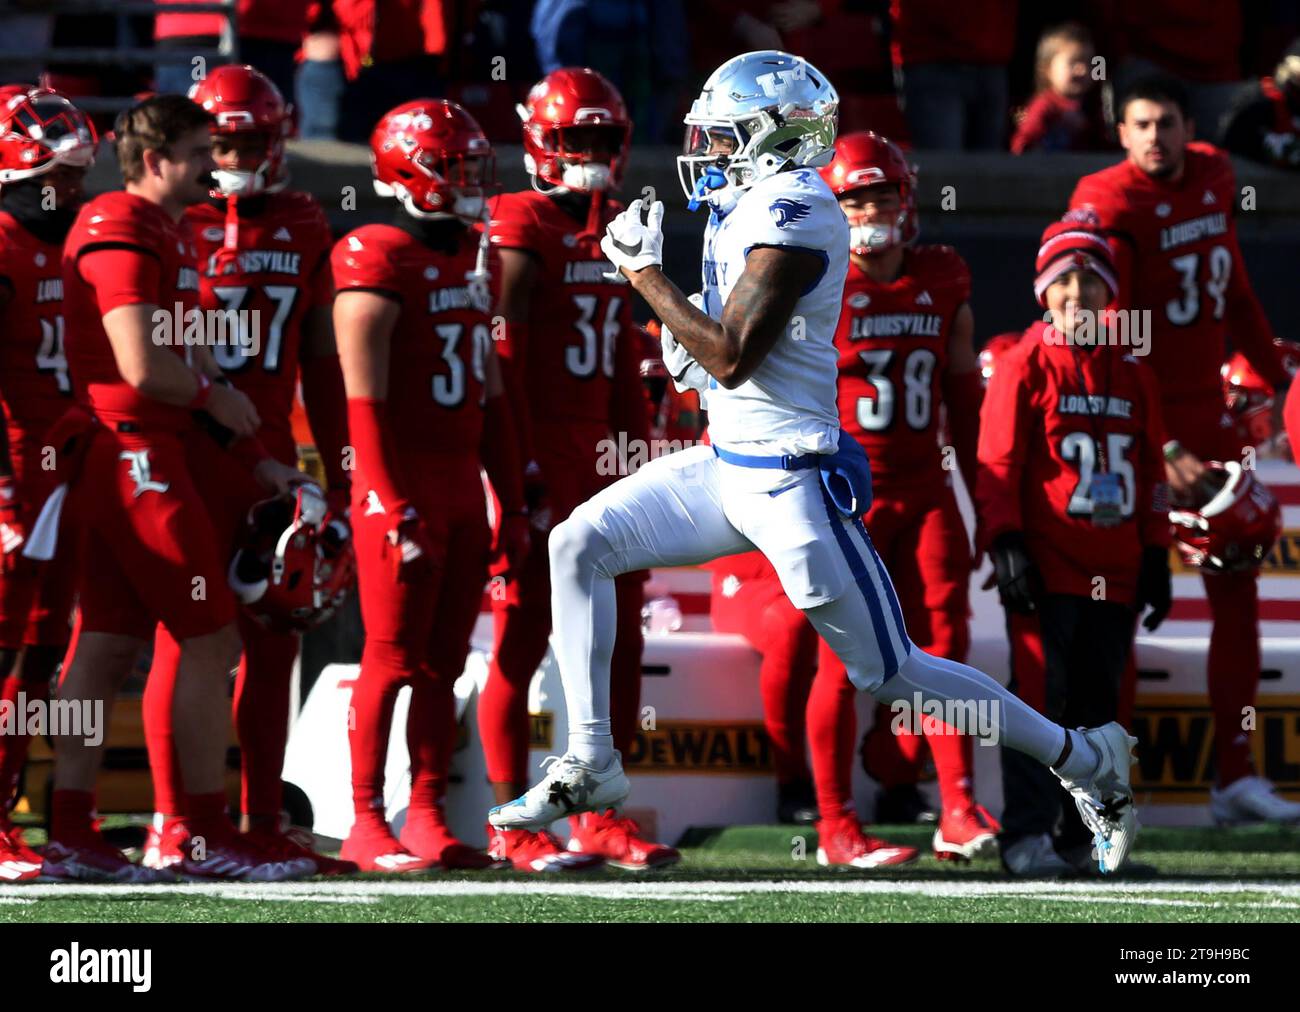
(630,243)
(687,373)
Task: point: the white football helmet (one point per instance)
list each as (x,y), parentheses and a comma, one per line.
(776,110)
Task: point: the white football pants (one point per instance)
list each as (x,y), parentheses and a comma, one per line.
(690,507)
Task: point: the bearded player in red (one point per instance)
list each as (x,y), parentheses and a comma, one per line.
(906,351)
(44,142)
(262,249)
(426,411)
(1168,212)
(146,547)
(571,357)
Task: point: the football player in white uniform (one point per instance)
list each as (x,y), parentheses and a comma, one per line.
(758,340)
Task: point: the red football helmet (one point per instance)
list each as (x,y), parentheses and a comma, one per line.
(864,159)
(993,348)
(562,103)
(40,129)
(244,101)
(295,563)
(1249,396)
(1232,525)
(432,156)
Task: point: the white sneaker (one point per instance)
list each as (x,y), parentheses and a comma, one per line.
(569,787)
(1251,799)
(1035,857)
(1105,799)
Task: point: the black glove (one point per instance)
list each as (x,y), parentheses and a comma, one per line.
(1155,586)
(1019,582)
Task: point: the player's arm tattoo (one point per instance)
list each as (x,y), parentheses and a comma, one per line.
(755,316)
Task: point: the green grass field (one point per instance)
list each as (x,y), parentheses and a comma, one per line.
(744,874)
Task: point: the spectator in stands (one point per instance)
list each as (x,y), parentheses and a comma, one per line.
(639,45)
(320,83)
(952,59)
(393,51)
(1065,114)
(1198,41)
(269,34)
(1263,124)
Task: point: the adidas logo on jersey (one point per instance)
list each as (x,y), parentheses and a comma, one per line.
(924,299)
(282,235)
(1208,198)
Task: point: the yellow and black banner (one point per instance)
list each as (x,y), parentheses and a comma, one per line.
(1176,746)
(713,747)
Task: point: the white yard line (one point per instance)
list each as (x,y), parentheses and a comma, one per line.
(1149,893)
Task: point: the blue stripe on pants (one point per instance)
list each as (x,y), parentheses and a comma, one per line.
(887,584)
(861,577)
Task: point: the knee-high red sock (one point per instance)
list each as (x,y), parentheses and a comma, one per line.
(72,814)
(832,726)
(430,739)
(952,765)
(521,636)
(385,667)
(261,715)
(159,726)
(1233,667)
(625,664)
(789,646)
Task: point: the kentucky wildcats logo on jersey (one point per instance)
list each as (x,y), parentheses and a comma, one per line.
(786,211)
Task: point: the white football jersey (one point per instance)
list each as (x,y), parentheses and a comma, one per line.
(788,405)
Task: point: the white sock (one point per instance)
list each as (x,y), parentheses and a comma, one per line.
(584,617)
(1083,760)
(596,750)
(1016,723)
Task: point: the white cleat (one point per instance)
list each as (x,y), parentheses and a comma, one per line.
(1251,800)
(569,787)
(1105,799)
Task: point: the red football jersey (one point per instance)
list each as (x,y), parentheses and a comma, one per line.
(34,383)
(893,352)
(281,272)
(580,323)
(120,220)
(438,359)
(1043,438)
(1177,256)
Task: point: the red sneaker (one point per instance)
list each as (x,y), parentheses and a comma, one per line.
(164,846)
(841,843)
(529,851)
(221,853)
(618,840)
(297,845)
(426,835)
(18,862)
(372,851)
(93,859)
(966,833)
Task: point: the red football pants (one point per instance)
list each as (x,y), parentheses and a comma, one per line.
(261,703)
(417,631)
